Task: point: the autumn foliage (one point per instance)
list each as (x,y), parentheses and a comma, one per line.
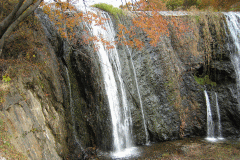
(68,20)
(218,4)
(180,4)
(151,23)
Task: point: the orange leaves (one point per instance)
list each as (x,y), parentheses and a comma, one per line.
(123,33)
(181,26)
(139,44)
(151,23)
(107,44)
(64,16)
(46,9)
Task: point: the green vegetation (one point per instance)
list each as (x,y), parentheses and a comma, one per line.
(110,9)
(1,122)
(237,8)
(160,5)
(6,79)
(197,18)
(173,4)
(204,80)
(1,96)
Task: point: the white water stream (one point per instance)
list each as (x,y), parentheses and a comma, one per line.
(140,99)
(233,23)
(210,124)
(111,69)
(219,119)
(72,111)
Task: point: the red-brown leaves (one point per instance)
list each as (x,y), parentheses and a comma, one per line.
(151,23)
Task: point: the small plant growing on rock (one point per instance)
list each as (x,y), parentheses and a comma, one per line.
(205,80)
(6,79)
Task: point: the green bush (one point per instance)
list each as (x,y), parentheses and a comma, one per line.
(205,80)
(189,3)
(6,79)
(173,4)
(110,9)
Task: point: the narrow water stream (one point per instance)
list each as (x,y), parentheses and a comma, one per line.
(140,98)
(210,124)
(219,119)
(72,111)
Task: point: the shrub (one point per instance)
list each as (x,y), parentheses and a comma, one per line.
(173,4)
(205,80)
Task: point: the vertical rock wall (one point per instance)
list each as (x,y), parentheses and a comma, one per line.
(33,109)
(173,75)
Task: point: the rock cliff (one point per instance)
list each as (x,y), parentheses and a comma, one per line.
(58,108)
(173,76)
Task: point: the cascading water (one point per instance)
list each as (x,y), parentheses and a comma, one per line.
(72,111)
(233,23)
(210,125)
(120,112)
(140,99)
(219,119)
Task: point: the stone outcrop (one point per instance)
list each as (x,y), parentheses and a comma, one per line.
(88,113)
(170,75)
(33,108)
(60,109)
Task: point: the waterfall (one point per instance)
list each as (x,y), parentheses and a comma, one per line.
(72,112)
(219,119)
(210,125)
(140,99)
(233,23)
(114,86)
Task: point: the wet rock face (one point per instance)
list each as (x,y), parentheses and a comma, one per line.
(41,120)
(89,121)
(162,120)
(168,78)
(43,115)
(90,98)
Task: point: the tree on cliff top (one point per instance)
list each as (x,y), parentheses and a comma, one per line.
(22,10)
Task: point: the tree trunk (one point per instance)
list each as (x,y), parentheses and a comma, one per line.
(25,13)
(10,18)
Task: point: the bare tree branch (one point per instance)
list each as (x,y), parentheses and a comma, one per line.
(10,18)
(24,7)
(16,22)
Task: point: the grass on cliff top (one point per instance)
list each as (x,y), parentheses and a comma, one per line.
(110,9)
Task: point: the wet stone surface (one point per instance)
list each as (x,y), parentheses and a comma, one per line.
(188,148)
